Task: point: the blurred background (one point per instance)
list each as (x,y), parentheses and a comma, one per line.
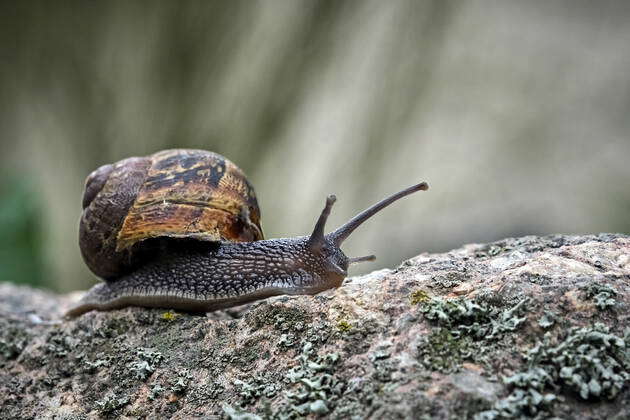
(516,113)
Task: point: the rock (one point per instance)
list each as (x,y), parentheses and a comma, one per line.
(531,327)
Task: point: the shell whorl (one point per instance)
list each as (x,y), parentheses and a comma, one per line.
(181,193)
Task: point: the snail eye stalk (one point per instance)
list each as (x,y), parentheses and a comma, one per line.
(317,239)
(340,235)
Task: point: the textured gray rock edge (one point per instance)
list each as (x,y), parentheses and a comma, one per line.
(370,349)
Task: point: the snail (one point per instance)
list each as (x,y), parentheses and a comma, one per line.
(181,229)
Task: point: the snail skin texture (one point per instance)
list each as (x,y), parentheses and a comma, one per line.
(189,273)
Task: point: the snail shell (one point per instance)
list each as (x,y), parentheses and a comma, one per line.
(140,204)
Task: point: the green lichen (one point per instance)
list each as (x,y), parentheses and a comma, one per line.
(418,296)
(156,391)
(590,362)
(317,386)
(547,320)
(287,340)
(521,403)
(111,402)
(147,363)
(181,381)
(101,360)
(169,316)
(344,326)
(238,414)
(465,330)
(313,388)
(318,407)
(477,319)
(255,388)
(441,351)
(603,295)
(383,366)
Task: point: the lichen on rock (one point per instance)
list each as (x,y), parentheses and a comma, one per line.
(532,327)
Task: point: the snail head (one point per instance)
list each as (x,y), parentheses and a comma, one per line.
(328,245)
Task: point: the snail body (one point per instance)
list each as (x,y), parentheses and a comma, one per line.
(198,252)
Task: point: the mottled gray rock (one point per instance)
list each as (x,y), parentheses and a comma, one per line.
(532,327)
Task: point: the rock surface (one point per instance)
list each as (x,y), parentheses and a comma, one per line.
(532,327)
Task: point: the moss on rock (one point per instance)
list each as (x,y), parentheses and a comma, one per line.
(521,328)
